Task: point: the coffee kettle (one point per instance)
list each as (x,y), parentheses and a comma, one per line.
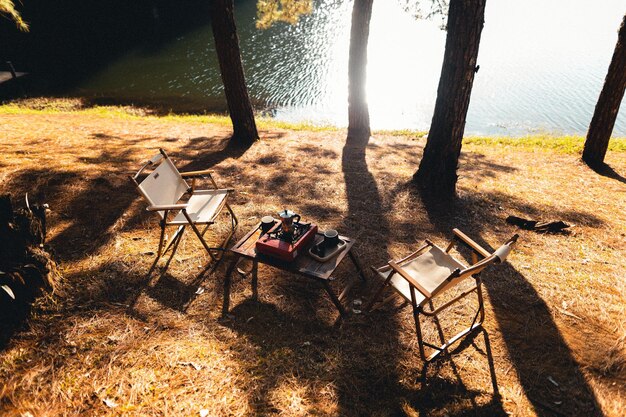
(287,219)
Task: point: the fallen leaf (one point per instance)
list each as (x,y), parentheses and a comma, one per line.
(192,364)
(8,290)
(110,403)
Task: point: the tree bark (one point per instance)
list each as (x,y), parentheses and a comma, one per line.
(604,116)
(231,68)
(358,111)
(437,171)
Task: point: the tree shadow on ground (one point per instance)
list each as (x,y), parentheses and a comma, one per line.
(441,395)
(607,171)
(96,205)
(536,347)
(287,344)
(92,219)
(207,152)
(361,384)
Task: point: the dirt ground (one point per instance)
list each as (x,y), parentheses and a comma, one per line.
(554,342)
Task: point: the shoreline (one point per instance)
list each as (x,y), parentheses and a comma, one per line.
(560,142)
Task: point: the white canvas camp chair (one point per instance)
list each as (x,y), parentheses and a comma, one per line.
(429,272)
(181,205)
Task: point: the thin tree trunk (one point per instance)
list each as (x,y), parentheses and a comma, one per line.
(604,116)
(437,171)
(358,112)
(229,57)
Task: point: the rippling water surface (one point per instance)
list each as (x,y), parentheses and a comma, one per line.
(542,65)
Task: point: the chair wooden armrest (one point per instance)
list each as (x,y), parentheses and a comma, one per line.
(192,174)
(164,207)
(469,242)
(229,190)
(410,279)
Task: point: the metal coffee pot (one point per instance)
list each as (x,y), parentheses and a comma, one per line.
(287,219)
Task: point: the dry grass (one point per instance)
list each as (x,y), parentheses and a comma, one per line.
(554,312)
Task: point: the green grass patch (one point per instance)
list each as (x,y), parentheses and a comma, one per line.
(567,144)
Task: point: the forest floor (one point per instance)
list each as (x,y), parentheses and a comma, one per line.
(554,329)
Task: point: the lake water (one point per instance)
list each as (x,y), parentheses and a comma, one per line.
(542,66)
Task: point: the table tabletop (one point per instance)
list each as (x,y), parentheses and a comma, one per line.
(303,264)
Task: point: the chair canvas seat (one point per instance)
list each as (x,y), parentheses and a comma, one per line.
(431,270)
(202,207)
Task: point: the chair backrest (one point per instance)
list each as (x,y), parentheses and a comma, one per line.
(497,257)
(164,185)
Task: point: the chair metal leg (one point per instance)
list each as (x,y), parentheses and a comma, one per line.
(161,238)
(227,282)
(179,232)
(475,324)
(378,292)
(481,304)
(160,251)
(442,337)
(418,327)
(233,219)
(176,240)
(197,232)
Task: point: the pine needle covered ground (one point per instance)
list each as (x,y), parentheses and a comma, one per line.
(554,330)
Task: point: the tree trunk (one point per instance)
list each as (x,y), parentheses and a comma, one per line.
(229,57)
(437,171)
(604,116)
(358,111)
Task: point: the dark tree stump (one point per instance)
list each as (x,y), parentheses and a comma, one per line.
(26,267)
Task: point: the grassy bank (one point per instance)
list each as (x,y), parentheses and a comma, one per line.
(555,333)
(562,143)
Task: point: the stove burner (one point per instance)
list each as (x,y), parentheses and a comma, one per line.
(286,246)
(299,230)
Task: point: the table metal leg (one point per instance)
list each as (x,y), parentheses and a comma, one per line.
(255,279)
(357,264)
(227,282)
(334,298)
(347,289)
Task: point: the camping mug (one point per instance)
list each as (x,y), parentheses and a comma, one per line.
(331,238)
(266,223)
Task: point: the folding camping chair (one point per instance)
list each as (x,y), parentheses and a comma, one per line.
(179,204)
(430,271)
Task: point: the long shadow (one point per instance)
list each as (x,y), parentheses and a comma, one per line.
(536,347)
(98,210)
(92,210)
(440,393)
(210,152)
(286,344)
(607,171)
(363,385)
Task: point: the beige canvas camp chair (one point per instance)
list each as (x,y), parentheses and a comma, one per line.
(181,205)
(429,272)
